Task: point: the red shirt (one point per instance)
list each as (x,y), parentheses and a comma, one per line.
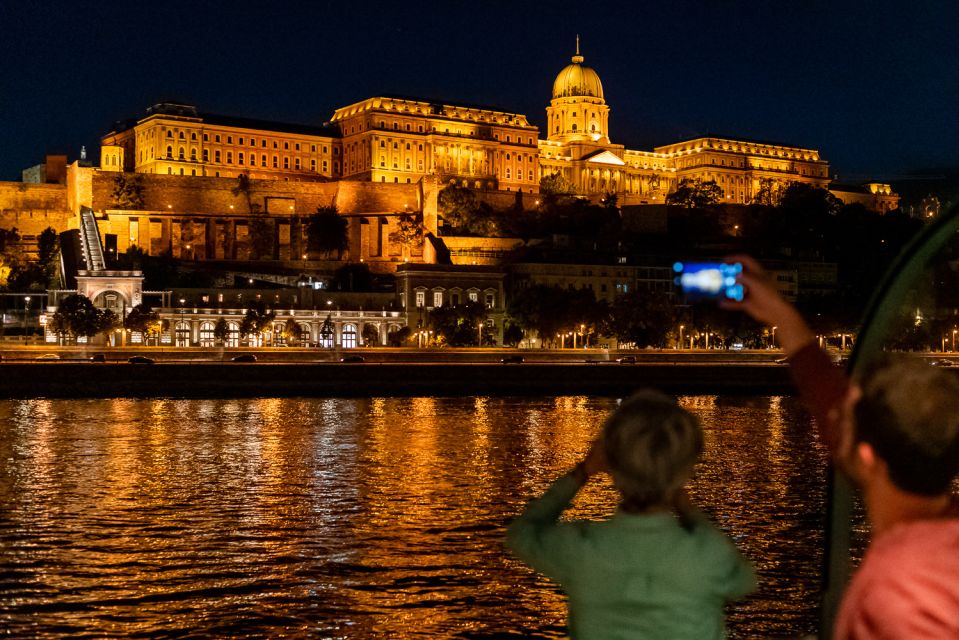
(908,583)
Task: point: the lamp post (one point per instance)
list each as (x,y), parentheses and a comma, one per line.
(954,330)
(479,337)
(774,336)
(585,337)
(26,307)
(681,327)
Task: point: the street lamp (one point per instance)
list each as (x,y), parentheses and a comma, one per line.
(582,333)
(26,306)
(774,336)
(954,330)
(480,336)
(681,327)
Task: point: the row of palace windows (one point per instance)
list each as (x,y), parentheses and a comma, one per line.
(454,298)
(242,159)
(242,141)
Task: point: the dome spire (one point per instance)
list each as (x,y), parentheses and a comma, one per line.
(577,59)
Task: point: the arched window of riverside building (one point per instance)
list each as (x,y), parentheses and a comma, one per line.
(304,335)
(206,334)
(348,337)
(278,337)
(169,152)
(182,334)
(232,334)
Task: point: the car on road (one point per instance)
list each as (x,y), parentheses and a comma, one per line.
(736,346)
(98,357)
(512,360)
(48,356)
(941,363)
(244,357)
(140,360)
(352,359)
(626,360)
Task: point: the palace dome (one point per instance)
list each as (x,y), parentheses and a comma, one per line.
(576,80)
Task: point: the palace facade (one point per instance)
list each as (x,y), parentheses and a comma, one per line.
(390,139)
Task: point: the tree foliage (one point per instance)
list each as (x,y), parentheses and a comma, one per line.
(291,332)
(76,316)
(695,194)
(554,184)
(257,319)
(221,331)
(643,318)
(326,232)
(458,326)
(409,232)
(127,191)
(549,310)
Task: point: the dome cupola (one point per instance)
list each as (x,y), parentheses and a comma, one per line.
(575,80)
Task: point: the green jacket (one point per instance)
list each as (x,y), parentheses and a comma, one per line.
(633,576)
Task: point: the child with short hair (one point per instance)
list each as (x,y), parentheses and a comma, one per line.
(658,568)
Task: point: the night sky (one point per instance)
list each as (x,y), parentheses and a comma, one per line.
(874,86)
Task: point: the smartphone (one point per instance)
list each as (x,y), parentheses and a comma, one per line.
(709,280)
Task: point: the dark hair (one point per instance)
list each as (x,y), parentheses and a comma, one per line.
(651,446)
(909,414)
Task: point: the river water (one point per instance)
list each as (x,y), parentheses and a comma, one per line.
(359,518)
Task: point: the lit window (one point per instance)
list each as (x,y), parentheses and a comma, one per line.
(437,298)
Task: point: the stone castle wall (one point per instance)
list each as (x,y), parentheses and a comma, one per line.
(31,208)
(204,195)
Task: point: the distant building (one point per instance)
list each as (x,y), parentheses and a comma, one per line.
(874,196)
(51,171)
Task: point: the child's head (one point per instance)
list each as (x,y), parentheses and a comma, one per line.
(651,446)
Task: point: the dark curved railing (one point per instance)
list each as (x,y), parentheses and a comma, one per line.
(888,298)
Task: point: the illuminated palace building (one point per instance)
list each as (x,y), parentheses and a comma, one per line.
(404,140)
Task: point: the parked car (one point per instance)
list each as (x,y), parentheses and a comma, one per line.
(352,359)
(140,360)
(244,357)
(48,356)
(626,360)
(512,360)
(98,357)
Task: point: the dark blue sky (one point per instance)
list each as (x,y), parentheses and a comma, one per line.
(873,85)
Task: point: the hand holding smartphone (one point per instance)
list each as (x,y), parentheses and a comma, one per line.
(710,280)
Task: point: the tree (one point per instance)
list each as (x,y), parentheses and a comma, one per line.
(76,316)
(327,333)
(291,332)
(458,326)
(371,335)
(257,319)
(221,331)
(48,252)
(695,194)
(326,232)
(644,318)
(11,258)
(456,204)
(399,337)
(409,232)
(512,334)
(244,187)
(145,321)
(127,191)
(770,192)
(555,184)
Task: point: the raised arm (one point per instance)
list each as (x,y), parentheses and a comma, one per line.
(823,387)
